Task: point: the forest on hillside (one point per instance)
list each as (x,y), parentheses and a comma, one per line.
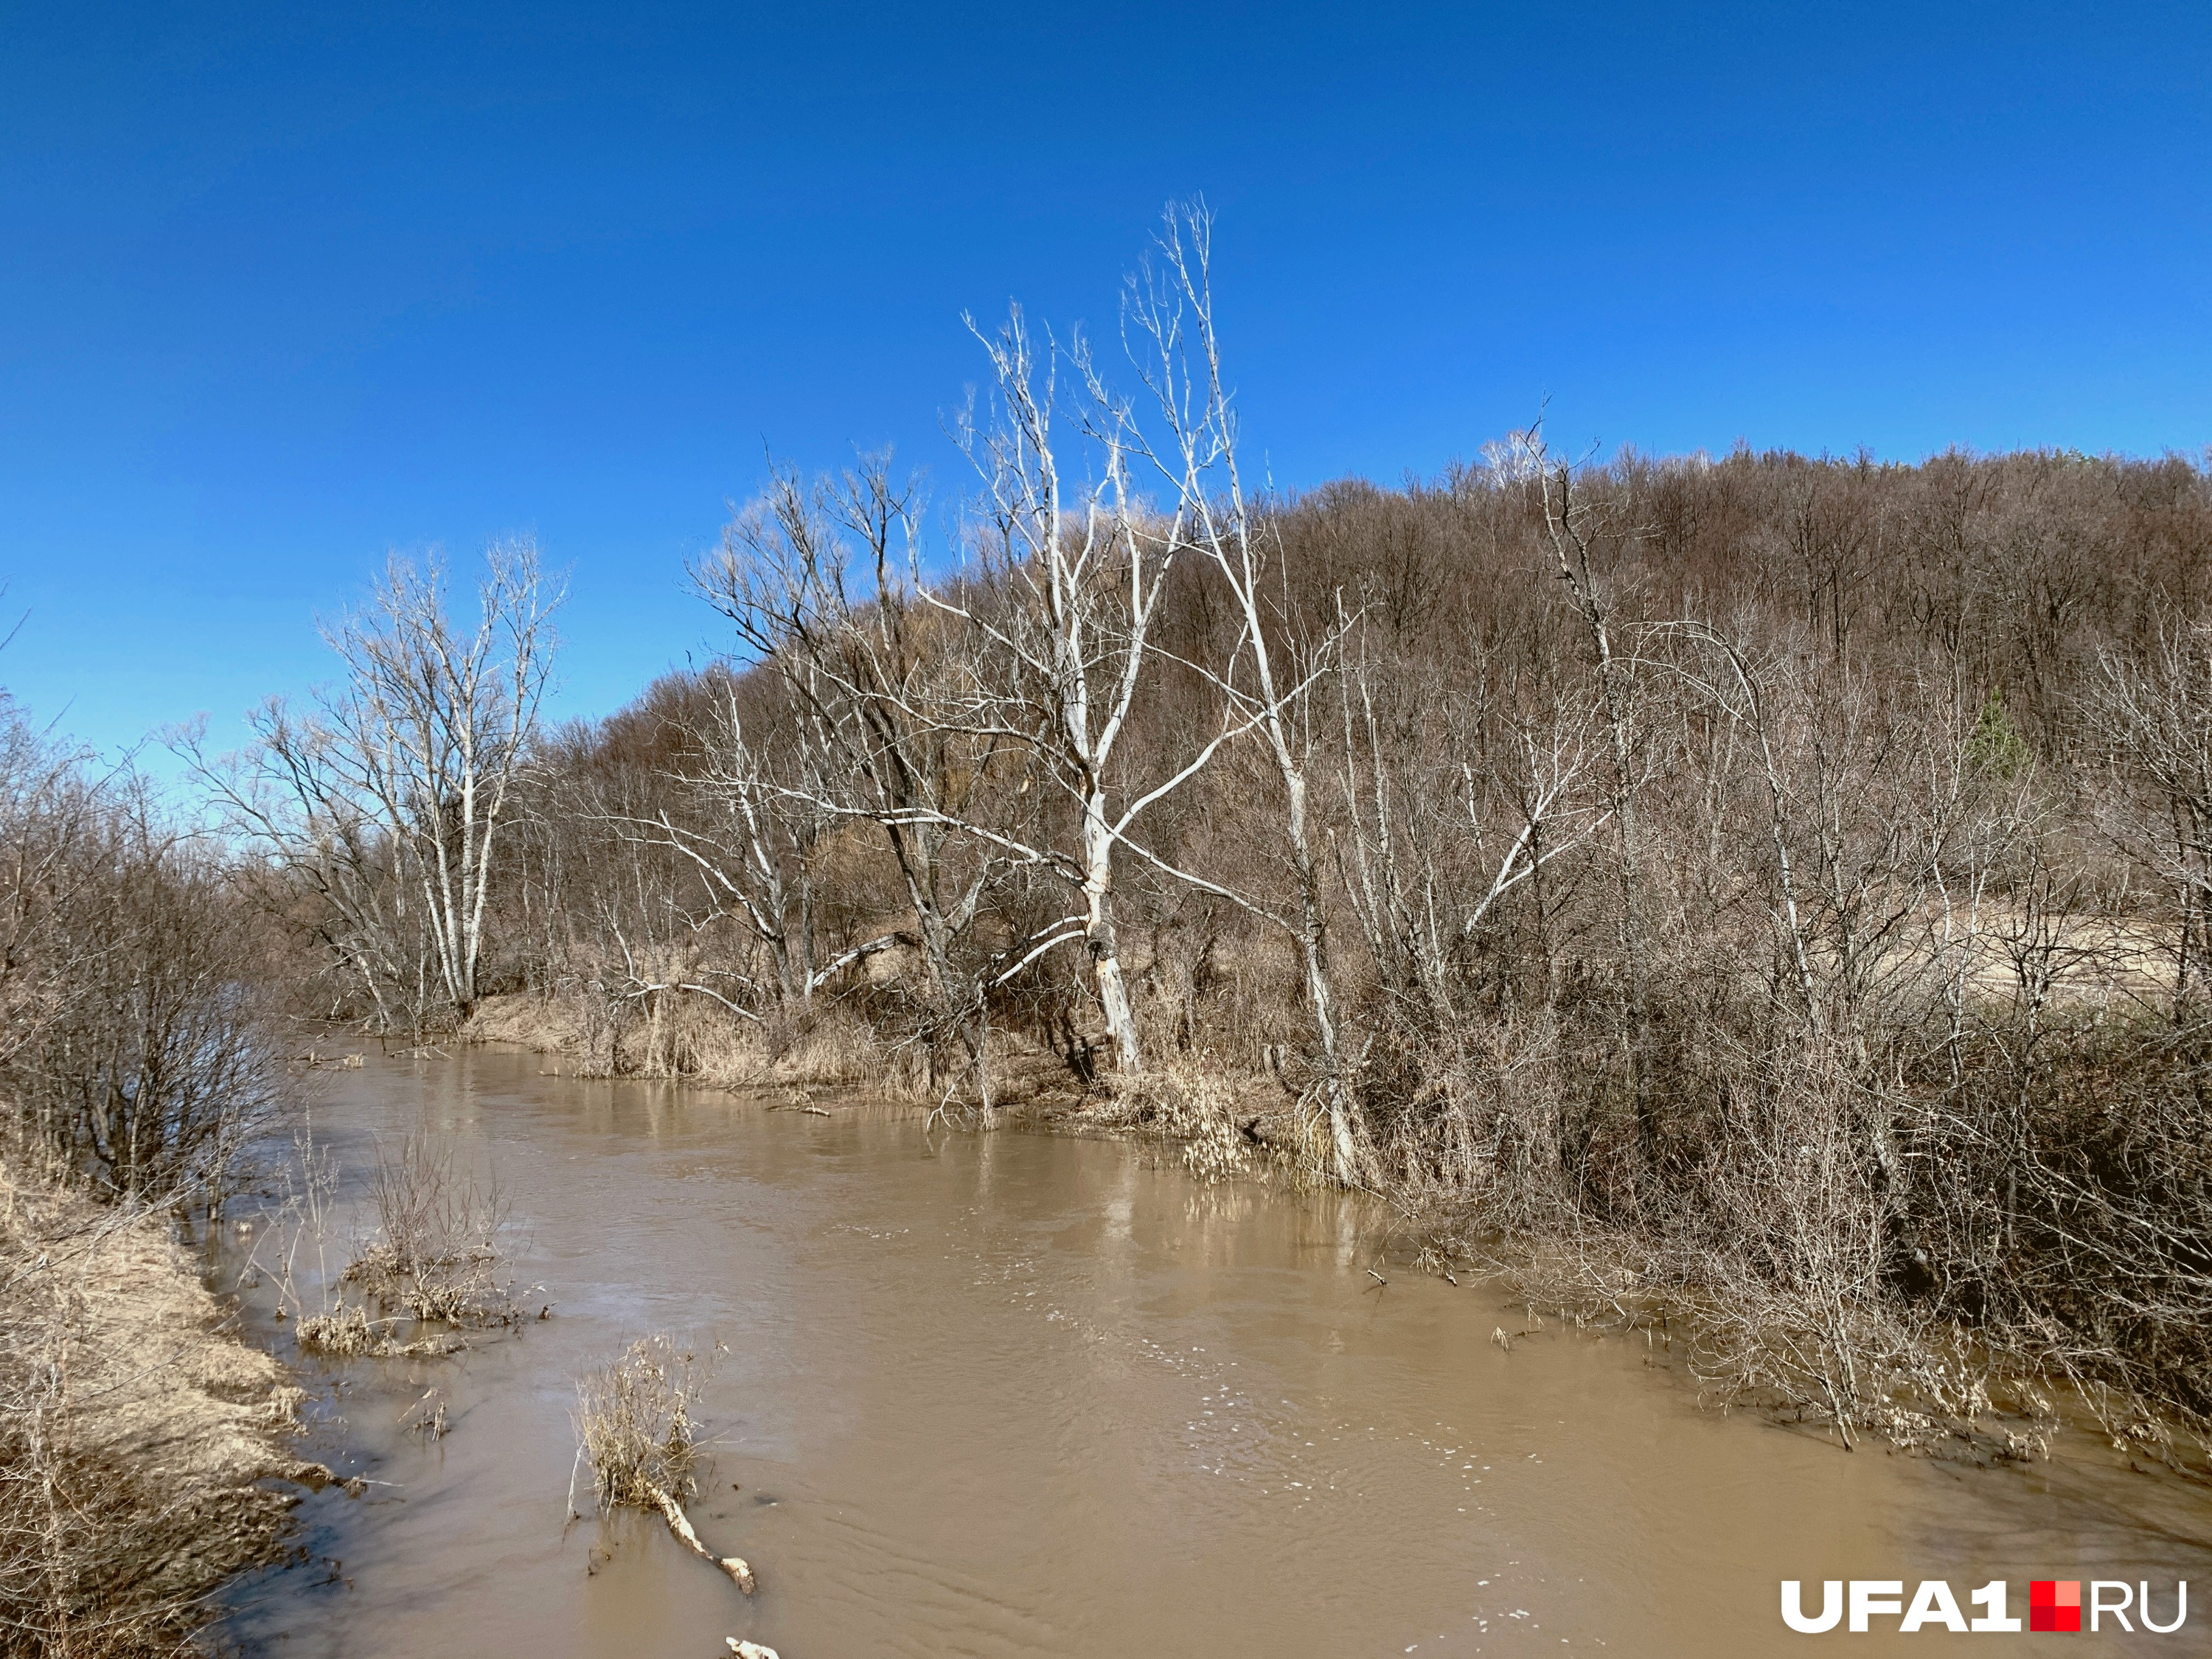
(1769,891)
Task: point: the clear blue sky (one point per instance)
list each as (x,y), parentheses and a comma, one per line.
(282,289)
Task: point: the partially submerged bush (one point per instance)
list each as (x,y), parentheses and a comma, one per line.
(635,1428)
(438,1253)
(435,1258)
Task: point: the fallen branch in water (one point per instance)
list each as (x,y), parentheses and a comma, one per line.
(634,1427)
(797,1101)
(680,1524)
(343,1063)
(751,1650)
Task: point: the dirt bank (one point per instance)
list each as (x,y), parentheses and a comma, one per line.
(145,1449)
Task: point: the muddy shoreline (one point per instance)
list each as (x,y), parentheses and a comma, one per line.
(152,1450)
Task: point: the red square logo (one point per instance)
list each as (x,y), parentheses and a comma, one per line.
(2054,1604)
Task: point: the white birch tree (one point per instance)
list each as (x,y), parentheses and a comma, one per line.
(1269,680)
(1073,572)
(435,719)
(388,799)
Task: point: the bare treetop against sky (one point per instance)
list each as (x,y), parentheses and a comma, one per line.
(280,294)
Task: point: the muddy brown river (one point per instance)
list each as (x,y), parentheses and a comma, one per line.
(1022,1395)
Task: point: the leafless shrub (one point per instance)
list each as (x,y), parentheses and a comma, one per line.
(293,1242)
(634,1427)
(1784,1259)
(437,1253)
(139,1054)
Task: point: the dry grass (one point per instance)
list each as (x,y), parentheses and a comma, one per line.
(136,1434)
(695,1042)
(634,1427)
(343,1333)
(1224,1127)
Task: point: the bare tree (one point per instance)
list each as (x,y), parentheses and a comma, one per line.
(749,817)
(1442,834)
(437,721)
(388,800)
(821,583)
(1269,683)
(322,859)
(1573,525)
(2154,711)
(1070,579)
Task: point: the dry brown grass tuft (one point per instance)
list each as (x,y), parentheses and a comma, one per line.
(635,1428)
(344,1333)
(136,1434)
(695,1042)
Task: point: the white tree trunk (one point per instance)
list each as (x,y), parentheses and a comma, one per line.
(1099,939)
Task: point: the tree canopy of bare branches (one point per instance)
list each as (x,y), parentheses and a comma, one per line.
(387,803)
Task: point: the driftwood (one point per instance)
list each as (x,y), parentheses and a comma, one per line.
(798,1102)
(751,1650)
(680,1524)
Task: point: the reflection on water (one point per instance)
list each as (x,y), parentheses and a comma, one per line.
(1020,1394)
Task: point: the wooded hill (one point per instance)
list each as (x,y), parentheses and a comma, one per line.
(1772,888)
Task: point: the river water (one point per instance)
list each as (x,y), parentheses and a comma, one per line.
(1024,1394)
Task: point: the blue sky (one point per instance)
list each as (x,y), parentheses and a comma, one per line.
(279,292)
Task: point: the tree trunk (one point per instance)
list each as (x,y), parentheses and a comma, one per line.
(1105,955)
(1313,943)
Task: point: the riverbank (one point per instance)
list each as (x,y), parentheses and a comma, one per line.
(671,1040)
(1823,1334)
(1223,1125)
(141,1438)
(969,1389)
